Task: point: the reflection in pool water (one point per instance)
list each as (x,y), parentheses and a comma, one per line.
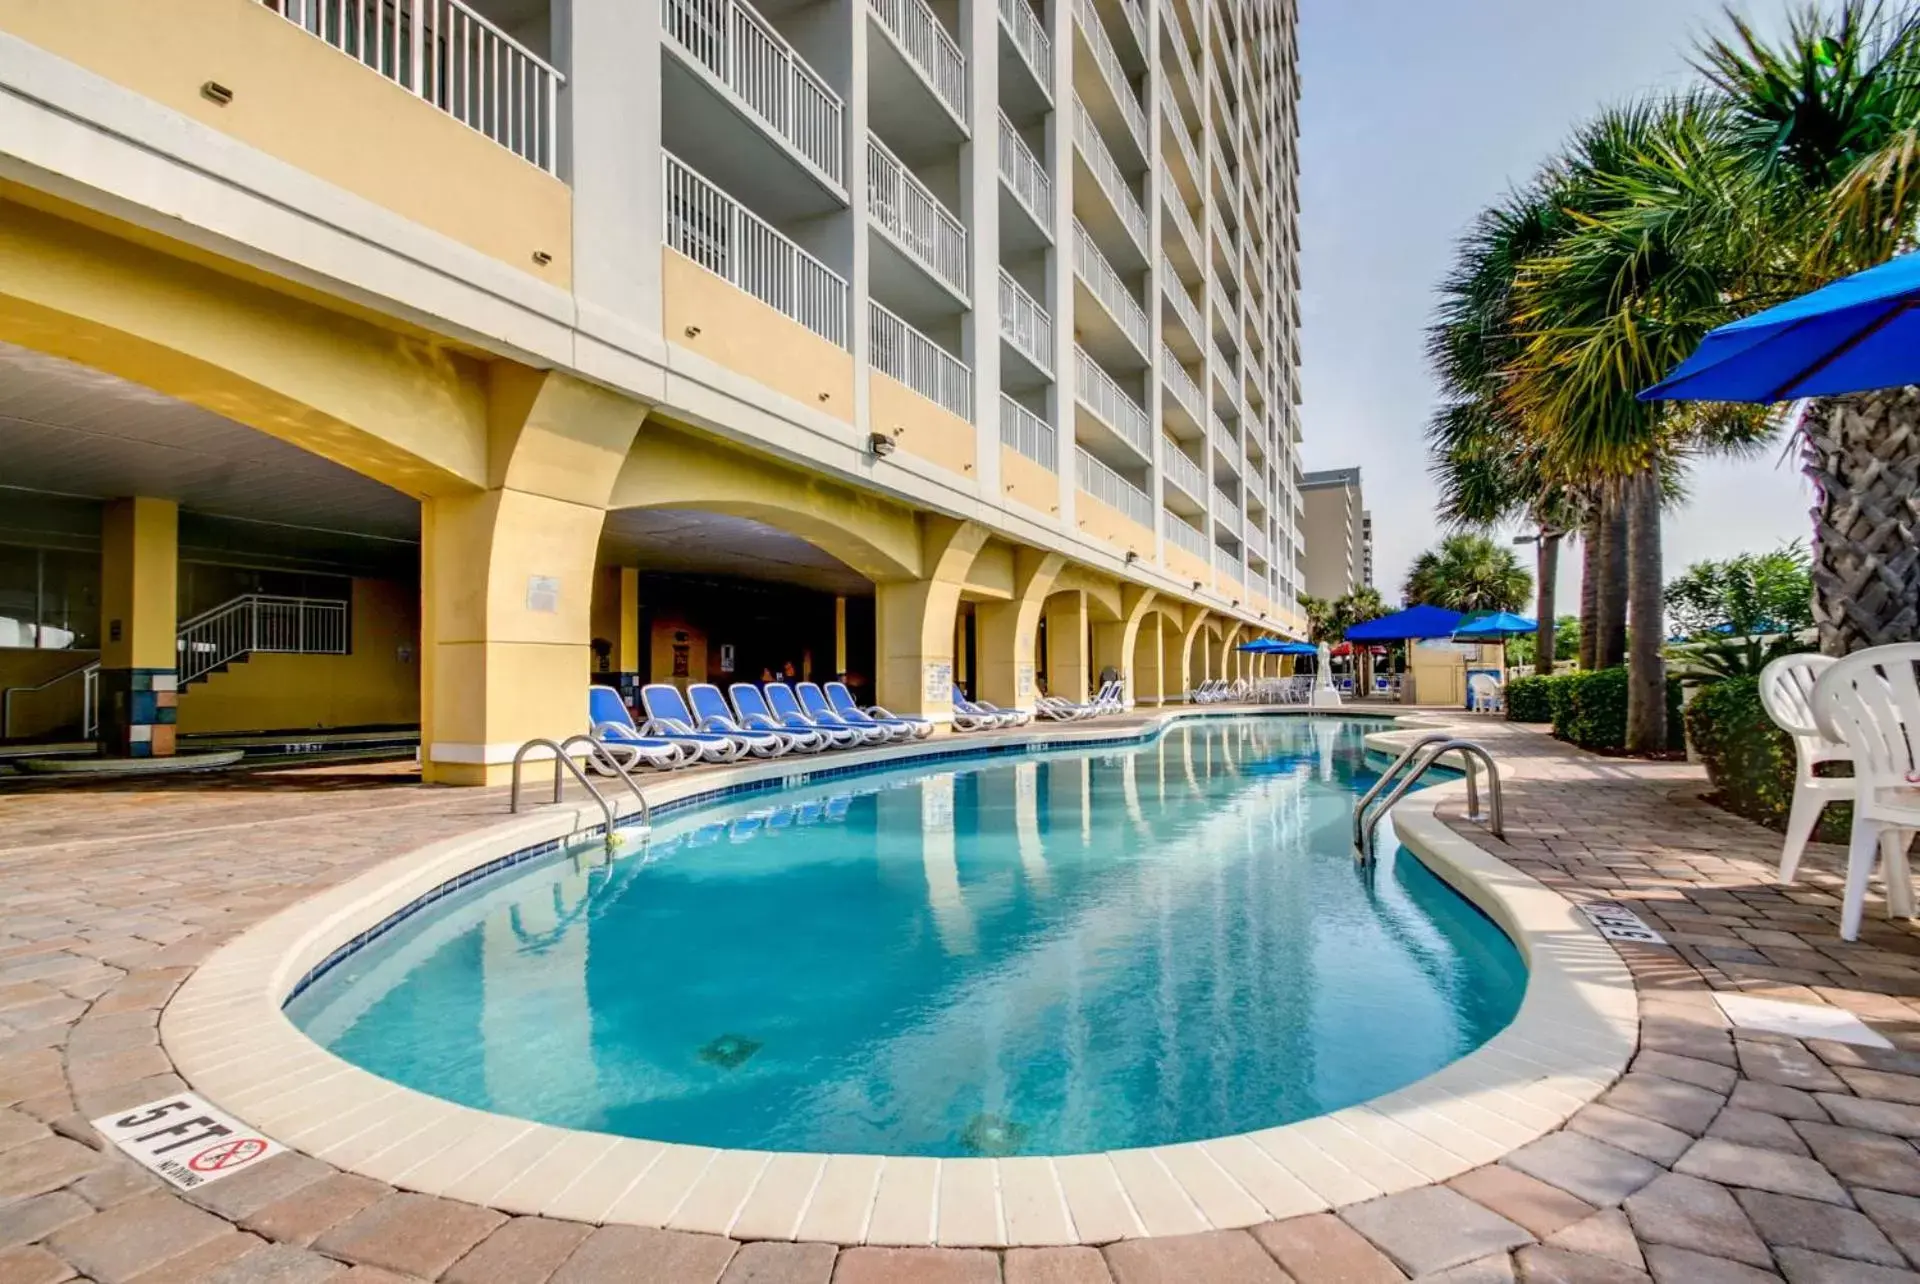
(1074,951)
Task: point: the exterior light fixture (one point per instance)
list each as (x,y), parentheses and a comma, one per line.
(880,445)
(1132,557)
(1196,586)
(542,258)
(692,332)
(216,93)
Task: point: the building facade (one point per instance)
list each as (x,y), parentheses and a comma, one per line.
(977,323)
(1339,554)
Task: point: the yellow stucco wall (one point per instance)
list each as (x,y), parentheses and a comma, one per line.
(1104,522)
(1186,566)
(748,337)
(297,98)
(139,579)
(1028,483)
(378,683)
(38,713)
(669,633)
(918,426)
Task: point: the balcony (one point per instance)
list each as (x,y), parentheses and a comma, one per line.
(1026,192)
(914,220)
(1116,420)
(1119,220)
(731,65)
(1028,434)
(1123,336)
(1179,470)
(1111,489)
(479,75)
(919,61)
(1027,328)
(904,354)
(1186,247)
(715,231)
(1026,59)
(1187,181)
(1188,412)
(1113,101)
(1183,537)
(1176,291)
(1229,567)
(1226,512)
(1255,544)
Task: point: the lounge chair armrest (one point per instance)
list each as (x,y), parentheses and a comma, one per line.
(716,723)
(660,727)
(614,729)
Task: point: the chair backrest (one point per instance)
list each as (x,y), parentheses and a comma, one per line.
(1786,691)
(605,705)
(960,700)
(1484,686)
(748,700)
(1870,702)
(709,703)
(841,698)
(813,701)
(780,696)
(664,701)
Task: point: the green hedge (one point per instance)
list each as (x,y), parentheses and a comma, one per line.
(1531,699)
(1749,760)
(1590,709)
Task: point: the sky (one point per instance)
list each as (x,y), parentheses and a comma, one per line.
(1414,115)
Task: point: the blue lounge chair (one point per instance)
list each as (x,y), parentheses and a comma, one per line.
(611,727)
(980,715)
(817,706)
(669,718)
(710,707)
(756,713)
(843,704)
(786,705)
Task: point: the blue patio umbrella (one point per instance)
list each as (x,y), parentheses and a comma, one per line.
(1860,333)
(1414,622)
(1498,624)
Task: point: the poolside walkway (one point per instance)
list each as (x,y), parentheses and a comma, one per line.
(1718,1157)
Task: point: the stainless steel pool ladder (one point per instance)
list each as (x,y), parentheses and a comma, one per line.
(1367,813)
(562,761)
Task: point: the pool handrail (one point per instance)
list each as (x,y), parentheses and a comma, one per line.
(1365,821)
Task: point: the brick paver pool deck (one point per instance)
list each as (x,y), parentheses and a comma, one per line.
(1719,1156)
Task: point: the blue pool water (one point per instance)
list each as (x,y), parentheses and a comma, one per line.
(1013,955)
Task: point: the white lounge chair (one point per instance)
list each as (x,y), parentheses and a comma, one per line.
(850,711)
(710,707)
(1786,691)
(1870,702)
(757,714)
(669,718)
(814,703)
(611,727)
(786,706)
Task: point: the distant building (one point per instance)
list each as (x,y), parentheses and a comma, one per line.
(1339,533)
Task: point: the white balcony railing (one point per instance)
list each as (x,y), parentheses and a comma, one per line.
(1098,392)
(929,46)
(1023,173)
(1183,536)
(1028,433)
(1114,72)
(753,60)
(722,236)
(1182,471)
(1176,290)
(1176,205)
(1177,35)
(1236,570)
(1136,23)
(1185,391)
(1184,141)
(1111,489)
(453,58)
(1106,285)
(903,353)
(901,204)
(1030,38)
(1225,511)
(1026,325)
(1256,543)
(1107,173)
(1222,364)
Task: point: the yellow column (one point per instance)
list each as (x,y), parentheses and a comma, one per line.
(1148,679)
(507,575)
(1113,642)
(839,636)
(629,652)
(139,621)
(1067,659)
(1173,662)
(914,622)
(1005,631)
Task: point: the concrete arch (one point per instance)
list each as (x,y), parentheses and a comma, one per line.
(1103,592)
(672,468)
(914,620)
(1232,663)
(1009,630)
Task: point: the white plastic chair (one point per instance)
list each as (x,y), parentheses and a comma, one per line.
(1488,692)
(1786,691)
(1870,702)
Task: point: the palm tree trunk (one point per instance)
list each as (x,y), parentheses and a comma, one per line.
(1546,567)
(1590,589)
(1646,667)
(1863,456)
(1611,602)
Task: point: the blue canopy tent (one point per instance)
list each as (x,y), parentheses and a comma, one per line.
(1409,625)
(1860,333)
(1278,646)
(1492,627)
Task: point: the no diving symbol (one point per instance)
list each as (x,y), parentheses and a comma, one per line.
(228,1154)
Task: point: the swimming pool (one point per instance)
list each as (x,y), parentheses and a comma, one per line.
(1039,953)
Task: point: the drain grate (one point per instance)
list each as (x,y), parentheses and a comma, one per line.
(728,1051)
(993,1135)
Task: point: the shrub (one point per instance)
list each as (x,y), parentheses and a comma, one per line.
(1531,699)
(1749,760)
(1590,710)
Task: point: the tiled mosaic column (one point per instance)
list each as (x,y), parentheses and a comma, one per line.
(139,567)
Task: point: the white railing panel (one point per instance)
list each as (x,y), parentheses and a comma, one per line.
(903,353)
(1183,536)
(450,56)
(1176,205)
(1176,289)
(1030,38)
(1177,127)
(1028,434)
(1226,511)
(1235,568)
(1182,471)
(259,622)
(747,55)
(1099,393)
(1113,71)
(1024,174)
(903,205)
(1027,325)
(735,244)
(1105,282)
(1111,489)
(1106,171)
(1184,389)
(929,46)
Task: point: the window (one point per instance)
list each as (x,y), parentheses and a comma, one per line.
(49,598)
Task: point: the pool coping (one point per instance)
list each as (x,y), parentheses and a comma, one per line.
(229,1038)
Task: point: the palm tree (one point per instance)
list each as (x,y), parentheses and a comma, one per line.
(1468,572)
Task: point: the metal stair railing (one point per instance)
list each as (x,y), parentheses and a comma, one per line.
(564,763)
(89,699)
(1406,772)
(260,622)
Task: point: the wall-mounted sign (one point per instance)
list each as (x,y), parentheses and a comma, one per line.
(938,686)
(1023,680)
(726,657)
(543,594)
